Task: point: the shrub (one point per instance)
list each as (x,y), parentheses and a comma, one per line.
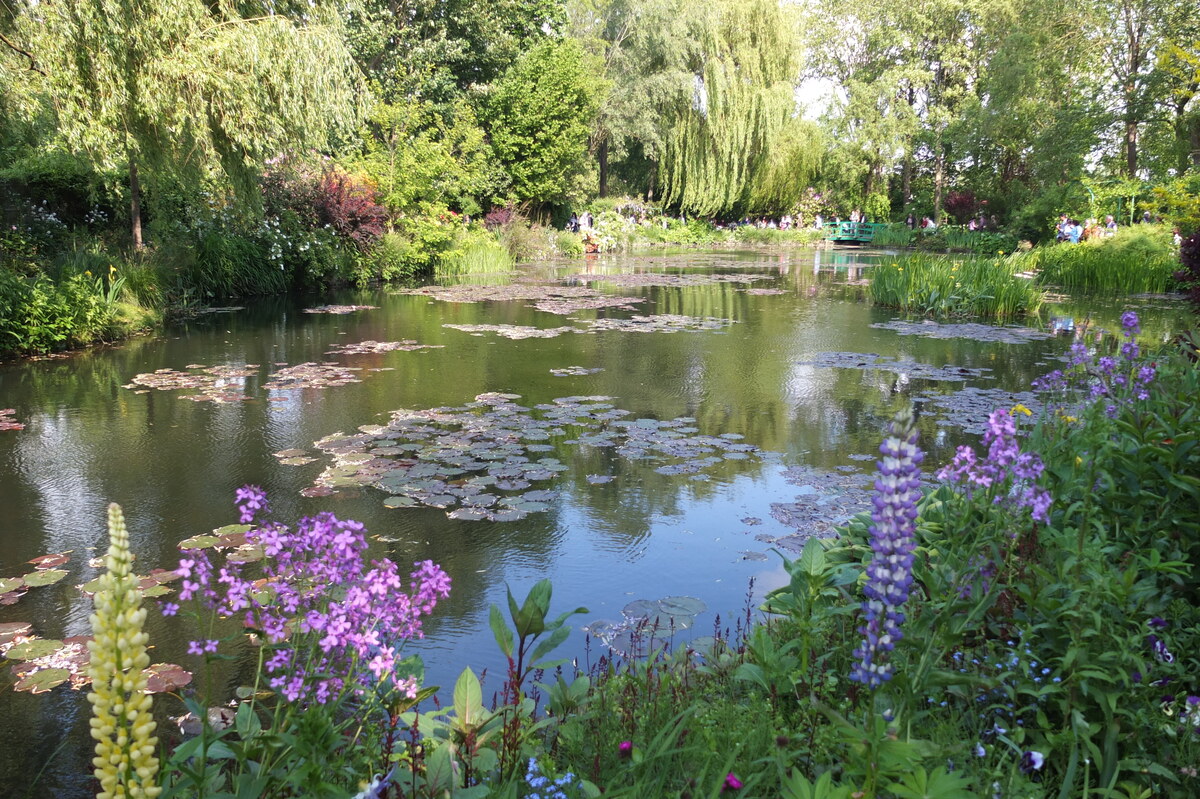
(1189,275)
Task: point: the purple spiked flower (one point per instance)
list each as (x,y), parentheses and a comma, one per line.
(889,575)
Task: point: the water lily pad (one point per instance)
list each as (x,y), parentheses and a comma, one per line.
(575,371)
(165,677)
(40,681)
(298,461)
(600,479)
(399,502)
(906,369)
(469,514)
(340,309)
(364,347)
(158,590)
(44,577)
(33,648)
(8,420)
(11,597)
(199,542)
(1004,334)
(51,561)
(682,605)
(10,584)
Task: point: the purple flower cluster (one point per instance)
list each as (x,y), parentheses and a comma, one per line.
(889,575)
(1006,470)
(326,614)
(1108,378)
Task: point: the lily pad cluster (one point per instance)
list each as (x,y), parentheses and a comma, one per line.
(970,330)
(762,292)
(970,407)
(647,625)
(481,461)
(340,309)
(8,420)
(312,375)
(213,383)
(885,363)
(660,323)
(824,499)
(660,279)
(45,663)
(515,332)
(575,371)
(366,347)
(45,572)
(293,457)
(555,299)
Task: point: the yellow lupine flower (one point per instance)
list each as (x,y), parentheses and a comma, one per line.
(121,723)
(1019,408)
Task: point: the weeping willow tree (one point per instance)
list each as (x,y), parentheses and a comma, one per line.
(723,127)
(189,88)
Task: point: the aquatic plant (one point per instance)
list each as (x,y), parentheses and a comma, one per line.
(1135,261)
(125,762)
(946,286)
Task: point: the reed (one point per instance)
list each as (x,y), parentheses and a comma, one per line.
(1135,261)
(944,286)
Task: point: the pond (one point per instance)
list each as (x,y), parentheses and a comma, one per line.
(651,429)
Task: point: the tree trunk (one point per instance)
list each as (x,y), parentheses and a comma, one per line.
(1131,154)
(939,182)
(602,158)
(1194,138)
(653,177)
(908,175)
(135,204)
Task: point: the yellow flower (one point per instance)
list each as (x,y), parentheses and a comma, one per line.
(1078,461)
(122,724)
(1019,408)
(1000,251)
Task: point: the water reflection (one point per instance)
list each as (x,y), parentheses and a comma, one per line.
(174,464)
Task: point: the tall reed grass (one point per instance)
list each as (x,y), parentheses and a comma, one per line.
(943,286)
(1135,261)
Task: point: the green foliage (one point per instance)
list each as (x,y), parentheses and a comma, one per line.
(537,119)
(944,286)
(38,314)
(420,158)
(475,252)
(1179,202)
(1138,259)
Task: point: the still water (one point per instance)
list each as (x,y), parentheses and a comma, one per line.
(173,465)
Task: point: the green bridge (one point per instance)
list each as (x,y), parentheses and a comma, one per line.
(852,232)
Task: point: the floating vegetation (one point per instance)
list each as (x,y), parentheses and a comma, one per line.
(515,332)
(311,375)
(45,663)
(970,407)
(599,479)
(886,363)
(565,307)
(225,309)
(8,420)
(365,347)
(647,625)
(45,573)
(659,279)
(555,299)
(824,500)
(480,461)
(970,330)
(340,309)
(293,457)
(763,292)
(214,383)
(575,371)
(661,323)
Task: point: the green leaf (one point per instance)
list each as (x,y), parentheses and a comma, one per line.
(33,649)
(44,577)
(468,699)
(42,680)
(545,647)
(504,638)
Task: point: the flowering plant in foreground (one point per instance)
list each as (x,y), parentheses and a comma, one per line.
(121,722)
(1104,378)
(332,623)
(889,575)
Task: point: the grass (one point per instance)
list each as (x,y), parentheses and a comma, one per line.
(1138,260)
(944,286)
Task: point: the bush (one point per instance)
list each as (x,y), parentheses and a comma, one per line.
(38,314)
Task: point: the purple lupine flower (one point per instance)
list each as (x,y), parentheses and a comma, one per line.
(889,575)
(1004,462)
(1032,761)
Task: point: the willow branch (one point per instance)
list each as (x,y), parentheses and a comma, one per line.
(32,61)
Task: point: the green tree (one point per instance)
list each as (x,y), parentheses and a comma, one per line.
(188,88)
(538,116)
